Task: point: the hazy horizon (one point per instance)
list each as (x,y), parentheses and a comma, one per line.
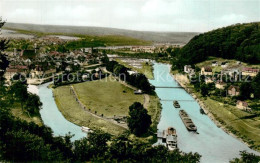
(100,27)
(140,15)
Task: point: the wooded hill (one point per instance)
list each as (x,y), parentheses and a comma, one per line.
(157,37)
(239,41)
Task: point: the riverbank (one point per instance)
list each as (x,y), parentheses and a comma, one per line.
(224,120)
(19,113)
(72,111)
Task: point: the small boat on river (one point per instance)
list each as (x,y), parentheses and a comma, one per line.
(85,129)
(176,104)
(187,121)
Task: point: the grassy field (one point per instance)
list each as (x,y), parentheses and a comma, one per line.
(17,112)
(107,97)
(237,121)
(75,114)
(147,69)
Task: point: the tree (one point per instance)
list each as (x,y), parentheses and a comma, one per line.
(19,91)
(98,143)
(138,121)
(240,41)
(82,150)
(33,104)
(245,90)
(246,158)
(3,59)
(255,85)
(105,58)
(204,90)
(121,148)
(22,146)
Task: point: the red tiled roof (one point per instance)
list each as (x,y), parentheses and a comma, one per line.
(247,69)
(22,67)
(11,70)
(19,67)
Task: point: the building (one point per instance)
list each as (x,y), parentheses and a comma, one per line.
(40,72)
(224,64)
(208,80)
(214,63)
(145,49)
(188,69)
(220,85)
(206,71)
(233,90)
(21,68)
(249,71)
(242,105)
(10,72)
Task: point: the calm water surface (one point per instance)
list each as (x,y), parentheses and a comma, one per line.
(53,118)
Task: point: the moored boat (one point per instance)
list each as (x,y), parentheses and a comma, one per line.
(187,121)
(85,129)
(171,138)
(176,104)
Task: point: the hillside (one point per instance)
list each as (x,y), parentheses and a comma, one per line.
(159,37)
(240,42)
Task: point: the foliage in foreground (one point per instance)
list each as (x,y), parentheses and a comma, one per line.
(246,158)
(21,141)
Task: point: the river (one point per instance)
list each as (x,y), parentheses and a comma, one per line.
(212,142)
(53,118)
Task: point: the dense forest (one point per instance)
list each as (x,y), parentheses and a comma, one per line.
(240,41)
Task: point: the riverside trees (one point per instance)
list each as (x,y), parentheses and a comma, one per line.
(139,120)
(137,80)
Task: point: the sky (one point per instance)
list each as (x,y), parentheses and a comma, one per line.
(145,15)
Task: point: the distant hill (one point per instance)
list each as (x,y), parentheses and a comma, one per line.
(239,41)
(157,37)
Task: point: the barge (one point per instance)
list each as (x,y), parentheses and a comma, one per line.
(187,121)
(176,104)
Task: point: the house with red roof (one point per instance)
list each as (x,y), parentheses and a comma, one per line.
(246,71)
(242,105)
